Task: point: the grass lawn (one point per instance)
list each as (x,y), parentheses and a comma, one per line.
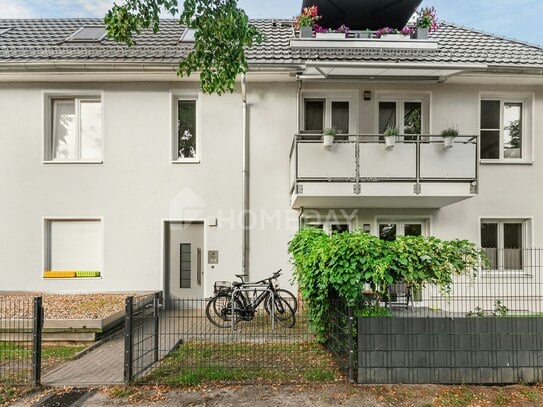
(16,361)
(194,363)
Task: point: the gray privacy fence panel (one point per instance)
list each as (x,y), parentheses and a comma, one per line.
(493,350)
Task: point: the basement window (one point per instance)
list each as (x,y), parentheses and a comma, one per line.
(88,34)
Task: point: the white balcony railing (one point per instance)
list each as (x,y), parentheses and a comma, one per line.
(365,159)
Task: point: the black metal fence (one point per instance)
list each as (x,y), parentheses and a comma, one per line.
(21,323)
(190,349)
(341,331)
(141,332)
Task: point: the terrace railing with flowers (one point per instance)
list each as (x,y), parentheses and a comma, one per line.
(306,23)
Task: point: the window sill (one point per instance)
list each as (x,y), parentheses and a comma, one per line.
(72,162)
(186,161)
(71,278)
(505,162)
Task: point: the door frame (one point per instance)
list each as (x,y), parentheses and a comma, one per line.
(163,258)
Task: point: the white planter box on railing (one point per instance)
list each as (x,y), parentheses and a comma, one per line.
(330,36)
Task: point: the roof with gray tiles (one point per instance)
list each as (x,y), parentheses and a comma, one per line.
(42,40)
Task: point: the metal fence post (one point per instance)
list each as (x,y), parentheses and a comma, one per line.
(36,341)
(128,317)
(351,342)
(156,309)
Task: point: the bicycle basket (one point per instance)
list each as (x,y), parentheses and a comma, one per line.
(222,286)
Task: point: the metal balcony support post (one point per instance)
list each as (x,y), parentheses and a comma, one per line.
(417,188)
(37,327)
(357,189)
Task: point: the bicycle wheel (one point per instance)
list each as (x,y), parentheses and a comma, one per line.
(219,310)
(282,311)
(285,295)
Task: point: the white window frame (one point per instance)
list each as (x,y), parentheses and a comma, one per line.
(330,97)
(47,111)
(46,253)
(401,221)
(400,99)
(327,225)
(527,239)
(174,153)
(527,101)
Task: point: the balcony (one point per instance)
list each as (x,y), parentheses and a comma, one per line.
(359,171)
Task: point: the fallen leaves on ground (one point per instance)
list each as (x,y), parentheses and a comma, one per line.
(61,306)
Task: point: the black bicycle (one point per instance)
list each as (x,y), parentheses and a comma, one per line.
(231,303)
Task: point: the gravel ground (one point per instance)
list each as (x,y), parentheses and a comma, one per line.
(61,306)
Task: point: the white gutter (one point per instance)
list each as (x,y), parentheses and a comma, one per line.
(245,243)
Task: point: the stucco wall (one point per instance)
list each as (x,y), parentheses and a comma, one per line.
(137,188)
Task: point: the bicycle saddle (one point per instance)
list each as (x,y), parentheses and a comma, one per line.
(237,284)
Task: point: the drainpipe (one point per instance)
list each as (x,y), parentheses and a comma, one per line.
(245,188)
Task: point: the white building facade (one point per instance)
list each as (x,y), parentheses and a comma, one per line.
(118,176)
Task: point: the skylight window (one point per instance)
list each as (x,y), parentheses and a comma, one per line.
(88,34)
(188,35)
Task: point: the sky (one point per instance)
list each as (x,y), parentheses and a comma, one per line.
(517,19)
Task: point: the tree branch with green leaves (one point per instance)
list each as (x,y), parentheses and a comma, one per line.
(222,34)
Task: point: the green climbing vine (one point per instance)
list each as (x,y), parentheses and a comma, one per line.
(342,263)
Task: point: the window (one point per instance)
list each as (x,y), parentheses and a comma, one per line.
(404,114)
(73,246)
(185,144)
(390,230)
(88,34)
(504,131)
(331,227)
(188,35)
(323,113)
(503,240)
(185,264)
(75,130)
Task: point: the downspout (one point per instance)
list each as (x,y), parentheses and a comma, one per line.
(245,188)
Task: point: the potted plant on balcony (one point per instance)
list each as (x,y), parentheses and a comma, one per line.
(426,22)
(306,21)
(448,135)
(328,137)
(330,34)
(391,134)
(387,33)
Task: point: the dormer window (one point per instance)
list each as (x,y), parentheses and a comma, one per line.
(88,34)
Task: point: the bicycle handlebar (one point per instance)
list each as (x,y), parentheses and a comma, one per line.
(273,277)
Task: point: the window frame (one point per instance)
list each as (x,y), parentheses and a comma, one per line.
(46,242)
(327,225)
(48,97)
(526,100)
(400,101)
(424,222)
(174,146)
(527,239)
(329,98)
